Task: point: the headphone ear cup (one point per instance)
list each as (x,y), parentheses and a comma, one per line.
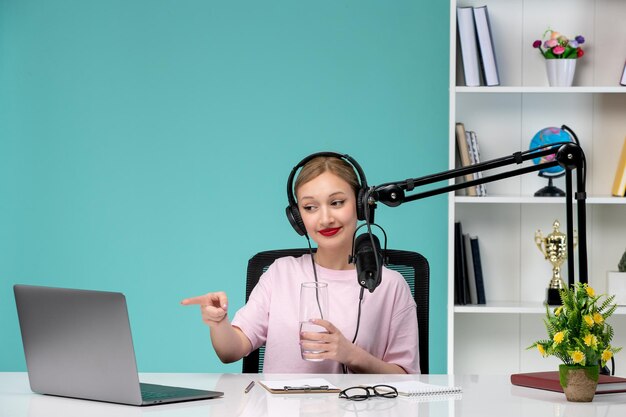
(293,215)
(360,209)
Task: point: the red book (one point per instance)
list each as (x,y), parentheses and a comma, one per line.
(607,384)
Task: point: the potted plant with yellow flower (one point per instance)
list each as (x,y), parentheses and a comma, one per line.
(580,337)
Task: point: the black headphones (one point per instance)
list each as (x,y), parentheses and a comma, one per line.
(364,211)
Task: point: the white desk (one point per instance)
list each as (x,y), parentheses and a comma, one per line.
(482,396)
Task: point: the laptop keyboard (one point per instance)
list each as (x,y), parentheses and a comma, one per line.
(159,392)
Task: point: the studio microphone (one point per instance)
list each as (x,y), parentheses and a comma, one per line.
(368,260)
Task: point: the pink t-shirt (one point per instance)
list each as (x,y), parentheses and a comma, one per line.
(388,328)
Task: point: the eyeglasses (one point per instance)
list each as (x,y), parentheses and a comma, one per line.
(363,393)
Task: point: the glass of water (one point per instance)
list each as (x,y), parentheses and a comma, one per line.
(313,305)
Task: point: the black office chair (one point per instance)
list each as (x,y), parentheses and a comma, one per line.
(412,265)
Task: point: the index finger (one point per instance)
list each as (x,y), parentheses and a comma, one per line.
(207,299)
(202,299)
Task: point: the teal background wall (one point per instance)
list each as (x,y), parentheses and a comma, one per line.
(145,146)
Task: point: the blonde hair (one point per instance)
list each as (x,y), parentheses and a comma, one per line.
(317,166)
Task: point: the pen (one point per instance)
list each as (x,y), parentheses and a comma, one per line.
(249,387)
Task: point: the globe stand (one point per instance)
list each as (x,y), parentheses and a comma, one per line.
(549,190)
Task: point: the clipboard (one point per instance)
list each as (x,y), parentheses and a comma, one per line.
(299,386)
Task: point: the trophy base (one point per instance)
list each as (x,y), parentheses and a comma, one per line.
(553,297)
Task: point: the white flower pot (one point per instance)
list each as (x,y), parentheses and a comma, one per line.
(560,72)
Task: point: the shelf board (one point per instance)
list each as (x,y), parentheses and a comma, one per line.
(595,200)
(541,90)
(512,307)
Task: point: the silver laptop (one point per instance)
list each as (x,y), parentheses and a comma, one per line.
(78,344)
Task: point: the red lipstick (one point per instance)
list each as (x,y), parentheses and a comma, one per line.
(329,232)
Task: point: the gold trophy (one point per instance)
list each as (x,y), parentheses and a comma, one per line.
(554,248)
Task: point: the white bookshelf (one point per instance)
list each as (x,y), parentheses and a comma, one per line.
(492,338)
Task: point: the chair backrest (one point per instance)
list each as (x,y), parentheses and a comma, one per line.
(412,265)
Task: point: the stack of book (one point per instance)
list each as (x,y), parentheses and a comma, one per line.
(477,50)
(469,285)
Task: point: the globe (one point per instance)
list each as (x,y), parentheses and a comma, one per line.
(549,136)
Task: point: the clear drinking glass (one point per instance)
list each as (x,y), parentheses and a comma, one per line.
(313,305)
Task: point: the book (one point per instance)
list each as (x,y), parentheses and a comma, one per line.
(623,79)
(549,381)
(464,156)
(419,388)
(472,144)
(485,45)
(468,139)
(619,183)
(459,265)
(299,386)
(469,265)
(481,189)
(469,45)
(478,271)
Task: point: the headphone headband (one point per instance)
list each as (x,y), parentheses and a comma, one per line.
(290,196)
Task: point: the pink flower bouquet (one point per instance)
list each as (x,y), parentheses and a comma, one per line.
(560,46)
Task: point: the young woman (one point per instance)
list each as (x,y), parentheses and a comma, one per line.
(326,193)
